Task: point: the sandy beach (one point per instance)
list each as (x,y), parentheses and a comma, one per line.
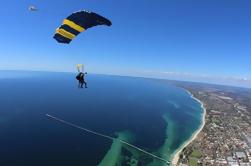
(175,158)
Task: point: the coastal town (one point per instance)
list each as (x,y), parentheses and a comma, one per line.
(225,138)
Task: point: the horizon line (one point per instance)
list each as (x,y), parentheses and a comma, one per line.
(133,76)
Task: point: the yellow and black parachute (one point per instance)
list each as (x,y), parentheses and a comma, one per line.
(76,23)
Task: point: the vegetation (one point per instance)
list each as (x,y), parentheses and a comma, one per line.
(192,162)
(216,121)
(196,154)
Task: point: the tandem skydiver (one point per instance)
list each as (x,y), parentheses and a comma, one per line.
(81,79)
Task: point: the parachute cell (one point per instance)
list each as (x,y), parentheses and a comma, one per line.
(76,23)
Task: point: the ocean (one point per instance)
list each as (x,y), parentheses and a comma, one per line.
(150,114)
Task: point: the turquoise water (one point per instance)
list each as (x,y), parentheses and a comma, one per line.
(152,115)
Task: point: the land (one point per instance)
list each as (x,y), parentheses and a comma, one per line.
(226,136)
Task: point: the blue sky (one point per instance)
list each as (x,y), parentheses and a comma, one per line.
(195,40)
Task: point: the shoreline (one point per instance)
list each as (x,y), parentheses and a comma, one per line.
(175,157)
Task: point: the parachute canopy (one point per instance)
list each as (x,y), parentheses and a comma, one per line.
(76,23)
(80,67)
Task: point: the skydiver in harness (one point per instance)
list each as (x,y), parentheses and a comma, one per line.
(81,76)
(81,79)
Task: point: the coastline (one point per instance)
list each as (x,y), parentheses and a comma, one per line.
(176,155)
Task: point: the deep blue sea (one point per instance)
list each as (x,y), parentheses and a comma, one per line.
(110,105)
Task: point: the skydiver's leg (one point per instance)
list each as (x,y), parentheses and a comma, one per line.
(79,84)
(82,82)
(85,84)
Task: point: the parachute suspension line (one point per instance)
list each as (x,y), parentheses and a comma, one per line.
(108,137)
